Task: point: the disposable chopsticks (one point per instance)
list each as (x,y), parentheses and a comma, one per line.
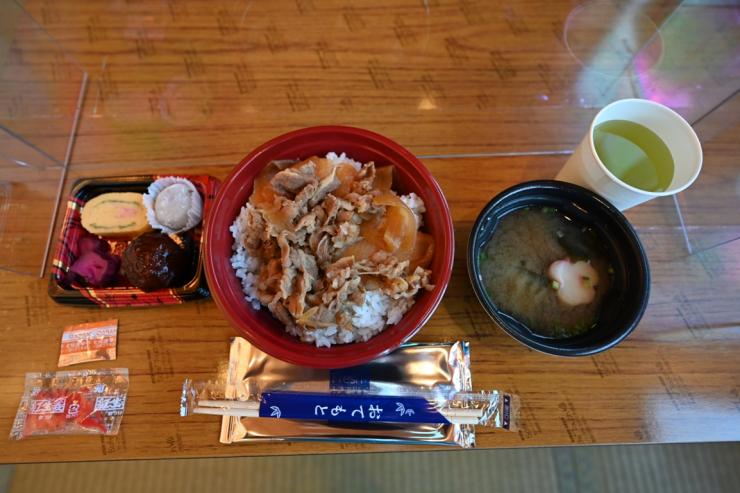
(250,409)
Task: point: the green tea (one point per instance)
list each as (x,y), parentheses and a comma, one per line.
(634,154)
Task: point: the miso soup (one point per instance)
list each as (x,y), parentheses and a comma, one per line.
(546,270)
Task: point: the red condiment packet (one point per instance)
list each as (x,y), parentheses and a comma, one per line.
(94,341)
(46,412)
(72,403)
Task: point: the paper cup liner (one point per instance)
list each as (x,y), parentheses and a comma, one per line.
(195,214)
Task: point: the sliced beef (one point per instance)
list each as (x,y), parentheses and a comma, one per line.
(324,250)
(293,179)
(299,239)
(327,185)
(347,234)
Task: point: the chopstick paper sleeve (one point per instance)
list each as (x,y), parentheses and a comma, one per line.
(349,408)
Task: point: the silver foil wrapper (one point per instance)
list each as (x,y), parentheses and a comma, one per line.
(442,367)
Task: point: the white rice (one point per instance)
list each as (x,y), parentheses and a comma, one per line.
(342,158)
(416,204)
(369,318)
(244,266)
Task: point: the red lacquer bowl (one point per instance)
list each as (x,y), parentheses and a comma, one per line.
(259,326)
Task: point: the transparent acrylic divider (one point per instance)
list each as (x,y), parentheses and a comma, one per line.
(699,76)
(41,91)
(685,57)
(472,78)
(480,78)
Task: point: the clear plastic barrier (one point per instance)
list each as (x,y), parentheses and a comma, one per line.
(40,93)
(443,77)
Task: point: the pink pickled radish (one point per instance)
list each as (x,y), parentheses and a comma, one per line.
(575,283)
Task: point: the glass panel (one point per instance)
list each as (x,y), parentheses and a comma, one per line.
(40,93)
(443,77)
(690,62)
(699,76)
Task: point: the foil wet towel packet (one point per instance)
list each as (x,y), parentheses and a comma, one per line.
(415,366)
(94,341)
(399,398)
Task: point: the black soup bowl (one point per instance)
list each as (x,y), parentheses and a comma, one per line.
(625,303)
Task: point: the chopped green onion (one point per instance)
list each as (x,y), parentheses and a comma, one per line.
(555,285)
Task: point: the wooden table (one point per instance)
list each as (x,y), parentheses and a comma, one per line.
(190,87)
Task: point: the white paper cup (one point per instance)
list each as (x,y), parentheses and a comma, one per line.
(586,169)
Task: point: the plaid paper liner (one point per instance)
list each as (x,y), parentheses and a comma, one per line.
(119,296)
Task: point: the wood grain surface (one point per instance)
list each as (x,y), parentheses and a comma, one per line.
(191,87)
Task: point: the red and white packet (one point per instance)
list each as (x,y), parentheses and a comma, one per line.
(94,341)
(72,403)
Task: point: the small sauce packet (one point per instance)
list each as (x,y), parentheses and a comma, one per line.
(77,402)
(94,341)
